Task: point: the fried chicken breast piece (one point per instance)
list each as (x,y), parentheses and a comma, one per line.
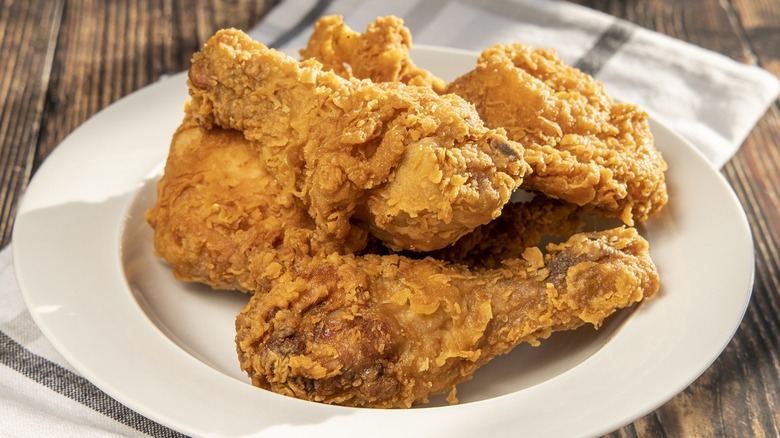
(583,147)
(389,332)
(420,169)
(381,53)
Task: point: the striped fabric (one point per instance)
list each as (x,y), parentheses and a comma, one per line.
(709,99)
(40,394)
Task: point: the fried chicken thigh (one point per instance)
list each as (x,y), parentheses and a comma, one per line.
(421,170)
(583,147)
(220,209)
(388,331)
(380,54)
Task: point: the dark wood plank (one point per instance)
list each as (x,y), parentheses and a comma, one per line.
(759,19)
(754,174)
(108,49)
(27,40)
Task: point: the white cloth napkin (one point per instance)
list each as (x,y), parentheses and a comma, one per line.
(41,395)
(709,99)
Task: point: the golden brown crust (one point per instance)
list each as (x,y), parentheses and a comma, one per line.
(583,147)
(370,330)
(218,204)
(380,54)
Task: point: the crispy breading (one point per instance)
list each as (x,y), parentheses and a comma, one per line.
(325,324)
(282,177)
(583,147)
(218,204)
(381,53)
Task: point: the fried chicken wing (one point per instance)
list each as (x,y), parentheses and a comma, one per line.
(582,146)
(388,331)
(381,53)
(420,169)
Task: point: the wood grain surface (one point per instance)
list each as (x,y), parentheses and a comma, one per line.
(62,61)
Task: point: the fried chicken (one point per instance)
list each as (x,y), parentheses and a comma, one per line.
(388,331)
(421,170)
(380,54)
(583,147)
(283,175)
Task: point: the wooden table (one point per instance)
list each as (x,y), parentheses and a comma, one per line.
(62,61)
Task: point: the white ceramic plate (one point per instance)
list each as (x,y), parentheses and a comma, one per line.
(84,262)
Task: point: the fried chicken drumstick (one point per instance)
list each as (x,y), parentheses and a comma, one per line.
(387,331)
(420,169)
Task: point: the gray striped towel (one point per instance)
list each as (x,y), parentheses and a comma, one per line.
(712,101)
